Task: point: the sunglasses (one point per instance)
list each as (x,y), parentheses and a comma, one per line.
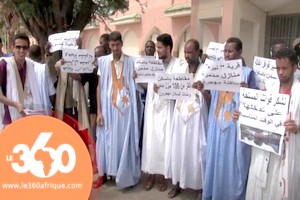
(22,47)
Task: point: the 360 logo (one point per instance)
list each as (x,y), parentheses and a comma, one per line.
(36,167)
(43,154)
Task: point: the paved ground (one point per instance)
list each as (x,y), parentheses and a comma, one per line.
(111,192)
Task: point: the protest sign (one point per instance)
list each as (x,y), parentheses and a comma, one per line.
(265,69)
(78,60)
(215,51)
(175,86)
(67,40)
(297,74)
(262,117)
(146,67)
(222,76)
(71,38)
(56,40)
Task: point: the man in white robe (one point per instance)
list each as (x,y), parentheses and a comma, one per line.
(158,116)
(70,95)
(272,176)
(45,83)
(186,155)
(296,45)
(18,83)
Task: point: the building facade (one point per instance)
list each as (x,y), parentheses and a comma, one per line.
(256,22)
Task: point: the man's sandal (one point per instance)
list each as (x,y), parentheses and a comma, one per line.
(162,185)
(149,183)
(174,192)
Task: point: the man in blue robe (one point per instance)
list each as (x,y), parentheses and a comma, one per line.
(227,158)
(117,147)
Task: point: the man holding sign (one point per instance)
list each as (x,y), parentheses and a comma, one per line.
(227,159)
(272,176)
(186,152)
(70,94)
(158,116)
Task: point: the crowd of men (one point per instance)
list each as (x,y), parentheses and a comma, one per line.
(193,142)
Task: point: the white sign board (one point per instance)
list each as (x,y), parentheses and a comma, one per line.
(262,117)
(78,61)
(71,38)
(56,40)
(215,51)
(265,69)
(175,86)
(146,67)
(222,76)
(67,39)
(34,112)
(297,74)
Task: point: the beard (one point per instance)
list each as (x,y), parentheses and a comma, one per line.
(286,80)
(162,57)
(193,61)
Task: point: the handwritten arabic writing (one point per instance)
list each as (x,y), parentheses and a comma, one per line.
(265,69)
(215,51)
(146,67)
(67,40)
(70,41)
(262,117)
(78,61)
(223,75)
(56,41)
(175,86)
(263,110)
